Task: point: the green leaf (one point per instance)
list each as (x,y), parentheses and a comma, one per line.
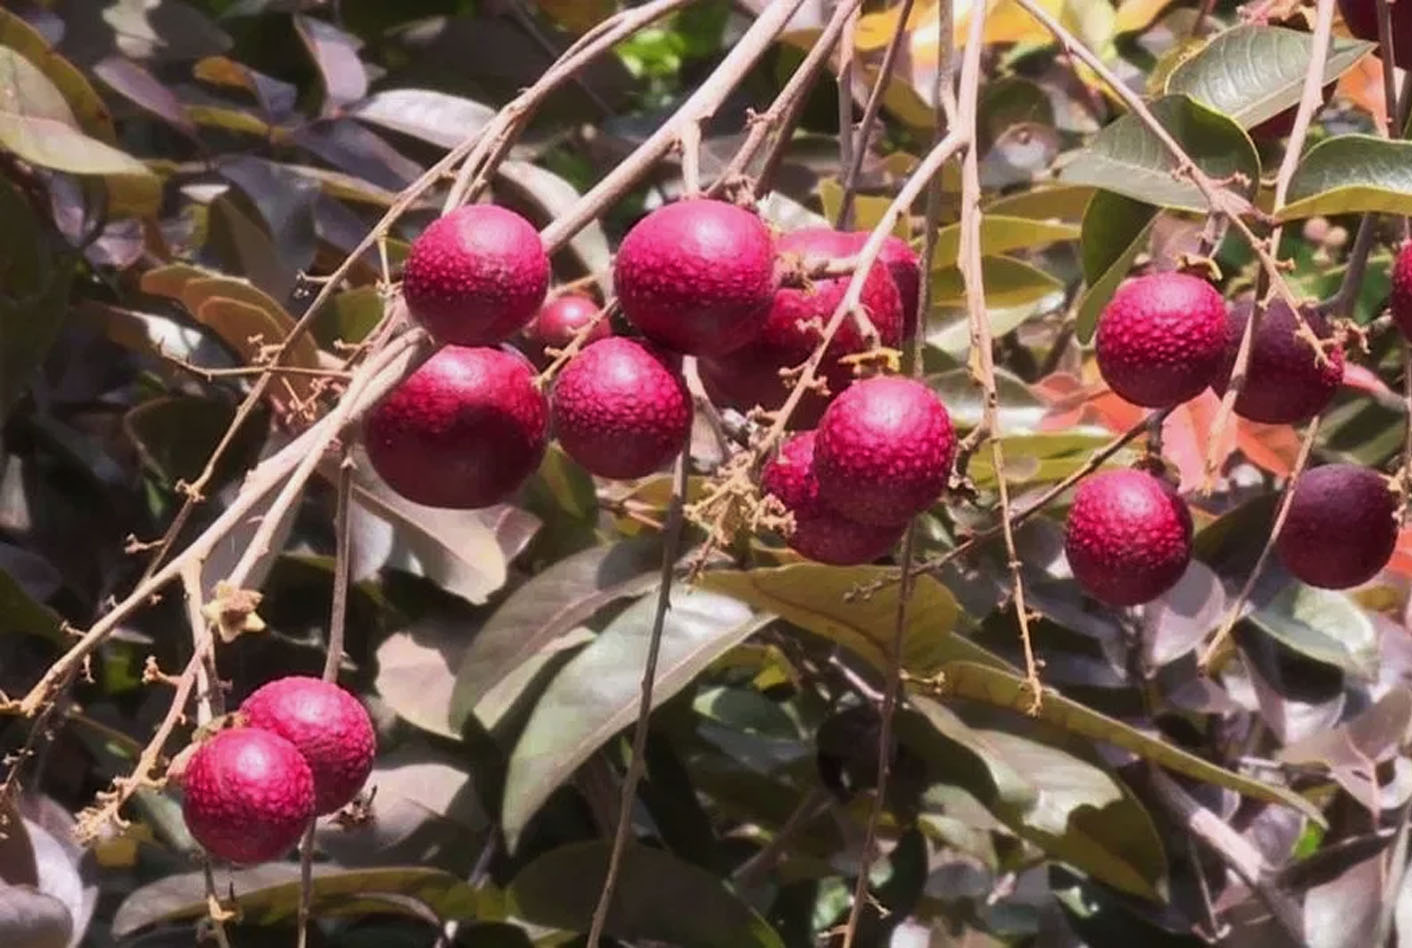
(1115,230)
(596,694)
(1001,234)
(1008,283)
(175,436)
(1129,158)
(35,280)
(820,599)
(1060,202)
(1351,174)
(1253,73)
(78,92)
(1001,688)
(1038,458)
(37,124)
(549,605)
(270,893)
(23,615)
(658,898)
(1321,624)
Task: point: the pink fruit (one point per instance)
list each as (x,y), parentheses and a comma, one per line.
(1161,339)
(327,725)
(560,321)
(750,375)
(462,431)
(1341,528)
(1285,382)
(621,408)
(248,795)
(1401,301)
(1129,537)
(697,276)
(820,533)
(476,275)
(884,451)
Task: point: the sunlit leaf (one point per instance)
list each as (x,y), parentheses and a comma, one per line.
(1001,234)
(1115,230)
(1351,174)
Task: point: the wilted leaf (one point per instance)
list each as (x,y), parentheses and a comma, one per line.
(1127,157)
(1253,72)
(596,694)
(658,898)
(1115,230)
(1351,174)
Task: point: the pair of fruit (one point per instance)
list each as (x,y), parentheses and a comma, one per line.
(303,748)
(1165,337)
(882,454)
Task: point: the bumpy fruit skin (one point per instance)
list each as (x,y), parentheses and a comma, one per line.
(697,276)
(905,267)
(1341,528)
(1401,302)
(248,795)
(750,375)
(1129,537)
(327,725)
(1162,338)
(1362,19)
(820,533)
(476,275)
(1285,382)
(560,320)
(462,431)
(884,451)
(621,408)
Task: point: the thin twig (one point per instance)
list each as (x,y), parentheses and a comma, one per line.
(847,66)
(342,567)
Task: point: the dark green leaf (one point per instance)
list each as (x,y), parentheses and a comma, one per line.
(1322,624)
(1115,230)
(1351,174)
(34,290)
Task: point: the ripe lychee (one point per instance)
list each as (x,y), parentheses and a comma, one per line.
(750,375)
(327,725)
(463,431)
(248,795)
(1341,528)
(884,450)
(697,276)
(1401,301)
(621,408)
(1362,19)
(1129,537)
(820,533)
(1285,382)
(1162,338)
(905,267)
(476,275)
(560,320)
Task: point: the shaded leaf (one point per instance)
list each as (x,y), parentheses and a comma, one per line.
(166,30)
(276,97)
(1177,621)
(1321,624)
(1115,229)
(30,919)
(285,200)
(437,117)
(658,898)
(176,435)
(17,865)
(596,694)
(35,280)
(1350,174)
(356,150)
(139,86)
(335,53)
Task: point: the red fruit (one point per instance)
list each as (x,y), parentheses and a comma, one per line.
(1401,301)
(476,275)
(1362,19)
(327,725)
(750,376)
(697,276)
(560,321)
(248,795)
(463,431)
(1285,382)
(1129,537)
(620,409)
(884,450)
(1341,528)
(819,532)
(1162,338)
(905,267)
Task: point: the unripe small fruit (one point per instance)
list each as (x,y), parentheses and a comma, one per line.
(884,450)
(476,275)
(1362,19)
(820,532)
(697,276)
(248,795)
(1161,339)
(1128,538)
(560,320)
(462,431)
(1341,528)
(327,725)
(621,408)
(1401,300)
(1285,382)
(750,375)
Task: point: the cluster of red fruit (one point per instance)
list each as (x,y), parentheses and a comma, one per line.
(697,277)
(1163,339)
(302,748)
